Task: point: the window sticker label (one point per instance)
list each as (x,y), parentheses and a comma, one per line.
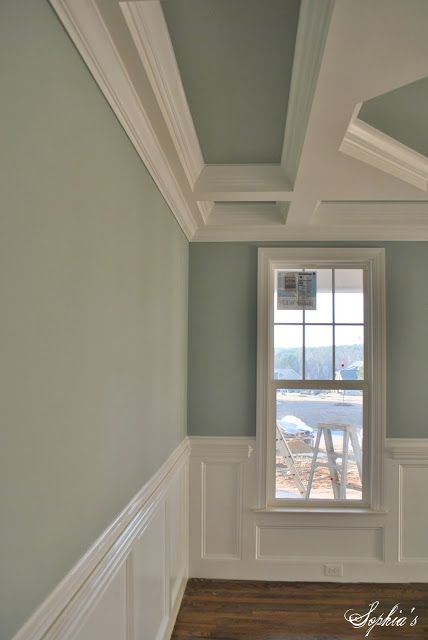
(297,290)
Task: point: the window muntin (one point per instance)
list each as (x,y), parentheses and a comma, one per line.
(312,345)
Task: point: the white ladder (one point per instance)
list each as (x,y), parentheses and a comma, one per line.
(338,475)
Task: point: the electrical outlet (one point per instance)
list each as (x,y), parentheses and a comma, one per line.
(333,570)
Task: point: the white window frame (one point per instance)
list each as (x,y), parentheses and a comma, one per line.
(373,262)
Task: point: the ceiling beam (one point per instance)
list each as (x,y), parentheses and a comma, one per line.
(366,143)
(242,182)
(312,29)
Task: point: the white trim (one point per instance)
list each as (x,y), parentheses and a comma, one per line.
(85,25)
(314,21)
(66,608)
(310,232)
(404,465)
(242,182)
(146,22)
(248,213)
(374,259)
(407,448)
(226,460)
(370,213)
(292,558)
(222,447)
(366,143)
(375,538)
(205,207)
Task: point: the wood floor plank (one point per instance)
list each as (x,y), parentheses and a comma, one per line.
(260,610)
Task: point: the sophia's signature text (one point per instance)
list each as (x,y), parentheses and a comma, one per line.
(373,617)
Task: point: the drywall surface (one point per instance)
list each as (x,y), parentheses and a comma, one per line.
(223,337)
(93,323)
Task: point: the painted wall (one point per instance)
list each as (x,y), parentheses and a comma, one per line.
(93,281)
(223,337)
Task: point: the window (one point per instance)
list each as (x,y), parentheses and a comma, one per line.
(321,377)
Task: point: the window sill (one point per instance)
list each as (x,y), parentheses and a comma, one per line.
(323,510)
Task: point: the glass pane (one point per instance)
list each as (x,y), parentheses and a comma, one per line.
(349,342)
(319,436)
(324,310)
(288,345)
(349,296)
(285,316)
(318,352)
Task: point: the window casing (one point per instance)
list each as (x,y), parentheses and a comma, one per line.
(301,398)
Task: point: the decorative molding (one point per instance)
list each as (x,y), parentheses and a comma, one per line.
(414,502)
(248,213)
(312,29)
(235,516)
(320,534)
(146,23)
(364,142)
(84,23)
(66,608)
(221,447)
(242,182)
(407,448)
(369,213)
(205,208)
(373,537)
(310,232)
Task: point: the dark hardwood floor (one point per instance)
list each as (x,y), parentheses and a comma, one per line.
(250,610)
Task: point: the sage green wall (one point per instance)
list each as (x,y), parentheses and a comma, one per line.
(93,278)
(222,337)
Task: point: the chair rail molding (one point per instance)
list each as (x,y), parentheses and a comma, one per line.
(407,448)
(100,588)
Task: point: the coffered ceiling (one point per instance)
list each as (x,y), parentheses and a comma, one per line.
(235,60)
(270,119)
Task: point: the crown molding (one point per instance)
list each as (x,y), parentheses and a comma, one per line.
(149,31)
(312,232)
(205,207)
(85,25)
(312,29)
(155,115)
(366,143)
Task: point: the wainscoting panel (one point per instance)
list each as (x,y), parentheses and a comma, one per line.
(129,585)
(177,527)
(108,619)
(308,543)
(254,544)
(413,513)
(221,509)
(149,587)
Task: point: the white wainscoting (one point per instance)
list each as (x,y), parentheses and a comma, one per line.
(130,584)
(231,539)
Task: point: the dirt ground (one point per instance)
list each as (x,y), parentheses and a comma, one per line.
(321,485)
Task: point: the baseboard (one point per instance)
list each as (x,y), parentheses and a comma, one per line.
(103,596)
